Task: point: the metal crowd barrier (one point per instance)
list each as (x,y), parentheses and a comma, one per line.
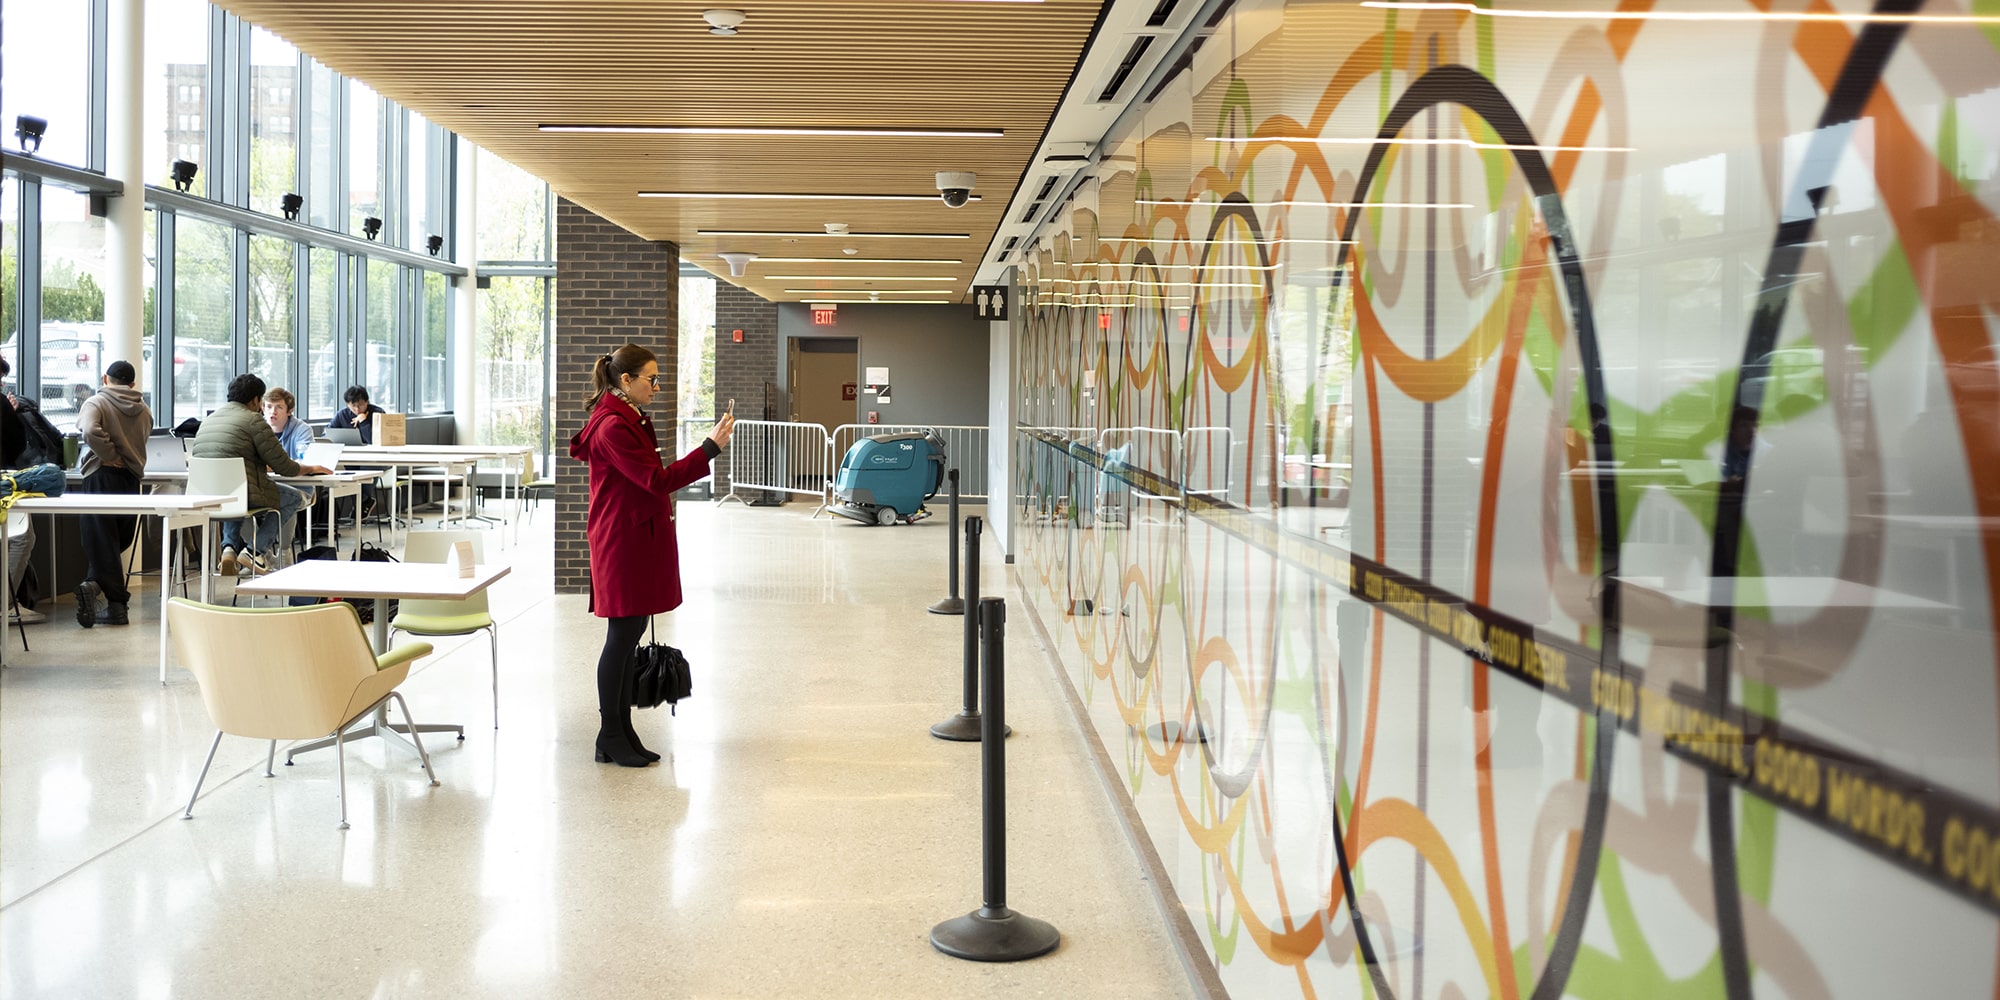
(964,450)
(777,456)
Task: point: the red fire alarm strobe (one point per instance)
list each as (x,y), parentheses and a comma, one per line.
(736,335)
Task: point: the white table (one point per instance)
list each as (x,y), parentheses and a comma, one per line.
(175,511)
(412,456)
(452,456)
(383,581)
(337,485)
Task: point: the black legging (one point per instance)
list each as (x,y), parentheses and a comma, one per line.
(614,673)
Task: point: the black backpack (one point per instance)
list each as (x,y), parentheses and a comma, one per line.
(365,606)
(43,442)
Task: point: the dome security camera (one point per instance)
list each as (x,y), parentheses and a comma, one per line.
(956,186)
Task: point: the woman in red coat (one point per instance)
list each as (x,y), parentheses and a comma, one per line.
(635,568)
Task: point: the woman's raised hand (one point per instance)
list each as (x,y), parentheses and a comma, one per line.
(723,429)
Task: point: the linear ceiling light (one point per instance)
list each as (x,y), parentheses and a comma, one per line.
(1690,15)
(755,130)
(1311,204)
(893,236)
(883,302)
(1323,140)
(848,277)
(871,291)
(777,196)
(859,260)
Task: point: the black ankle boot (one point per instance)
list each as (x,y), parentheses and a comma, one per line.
(614,750)
(632,737)
(113,613)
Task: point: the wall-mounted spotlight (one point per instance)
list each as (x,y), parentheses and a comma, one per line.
(435,243)
(371,227)
(183,174)
(290,205)
(28,131)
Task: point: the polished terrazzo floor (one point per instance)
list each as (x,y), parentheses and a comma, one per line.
(802,837)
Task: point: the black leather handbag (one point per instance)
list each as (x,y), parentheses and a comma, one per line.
(659,674)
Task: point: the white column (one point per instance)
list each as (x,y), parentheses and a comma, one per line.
(125,230)
(465,328)
(1000,426)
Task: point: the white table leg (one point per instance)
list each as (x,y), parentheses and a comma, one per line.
(207,552)
(166,566)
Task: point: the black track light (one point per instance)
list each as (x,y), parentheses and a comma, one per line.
(371,227)
(435,243)
(183,172)
(290,205)
(28,130)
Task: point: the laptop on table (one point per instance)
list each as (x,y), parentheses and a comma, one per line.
(343,435)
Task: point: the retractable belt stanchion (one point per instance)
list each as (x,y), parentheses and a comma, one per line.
(994,933)
(951,604)
(964,727)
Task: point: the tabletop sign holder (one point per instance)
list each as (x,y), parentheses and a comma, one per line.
(462,557)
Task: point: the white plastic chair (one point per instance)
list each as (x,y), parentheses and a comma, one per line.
(223,477)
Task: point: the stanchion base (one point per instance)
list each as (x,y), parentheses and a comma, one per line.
(1170,732)
(995,936)
(948,606)
(963,728)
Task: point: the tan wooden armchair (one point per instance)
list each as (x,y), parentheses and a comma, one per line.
(288,674)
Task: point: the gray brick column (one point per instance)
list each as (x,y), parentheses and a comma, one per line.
(612,288)
(742,369)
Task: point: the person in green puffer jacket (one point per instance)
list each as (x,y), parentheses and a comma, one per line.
(238,430)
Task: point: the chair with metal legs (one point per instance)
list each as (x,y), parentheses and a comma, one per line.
(442,618)
(331,679)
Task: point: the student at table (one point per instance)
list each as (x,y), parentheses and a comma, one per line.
(358,414)
(114,425)
(281,412)
(237,430)
(14,441)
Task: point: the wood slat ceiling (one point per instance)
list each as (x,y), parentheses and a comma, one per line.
(495,70)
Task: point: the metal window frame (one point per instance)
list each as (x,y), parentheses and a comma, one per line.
(97,136)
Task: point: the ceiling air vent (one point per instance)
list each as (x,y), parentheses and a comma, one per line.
(1125,67)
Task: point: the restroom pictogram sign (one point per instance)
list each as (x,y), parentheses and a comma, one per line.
(991,301)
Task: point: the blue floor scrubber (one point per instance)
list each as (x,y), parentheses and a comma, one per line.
(887,478)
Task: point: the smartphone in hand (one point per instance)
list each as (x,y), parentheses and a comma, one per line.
(732,406)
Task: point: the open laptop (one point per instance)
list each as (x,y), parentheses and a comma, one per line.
(343,435)
(323,453)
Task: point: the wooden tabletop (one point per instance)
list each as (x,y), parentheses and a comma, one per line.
(350,578)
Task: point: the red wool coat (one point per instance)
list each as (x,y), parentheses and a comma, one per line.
(634,559)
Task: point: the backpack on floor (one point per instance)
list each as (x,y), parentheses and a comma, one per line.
(316,552)
(365,606)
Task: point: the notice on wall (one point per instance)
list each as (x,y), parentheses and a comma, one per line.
(878,376)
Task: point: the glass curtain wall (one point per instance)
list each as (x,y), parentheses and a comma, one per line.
(516,309)
(49,79)
(697,404)
(176,87)
(274,134)
(273,307)
(229,285)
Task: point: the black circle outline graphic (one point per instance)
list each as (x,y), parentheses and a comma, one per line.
(1461,85)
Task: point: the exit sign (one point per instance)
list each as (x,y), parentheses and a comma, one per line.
(823,315)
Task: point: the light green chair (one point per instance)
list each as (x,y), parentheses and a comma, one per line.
(440,618)
(288,674)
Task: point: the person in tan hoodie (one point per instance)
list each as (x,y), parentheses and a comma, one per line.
(114,425)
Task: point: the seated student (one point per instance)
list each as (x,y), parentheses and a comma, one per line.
(14,441)
(357,414)
(281,412)
(237,430)
(294,435)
